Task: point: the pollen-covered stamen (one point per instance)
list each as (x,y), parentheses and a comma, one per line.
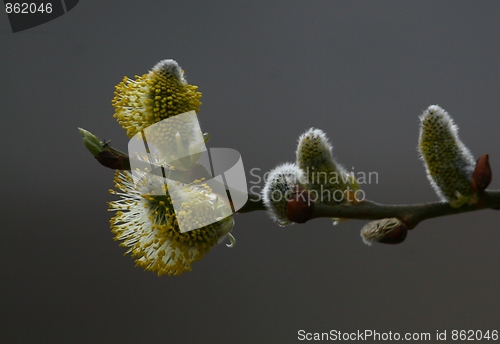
(152,97)
(147,225)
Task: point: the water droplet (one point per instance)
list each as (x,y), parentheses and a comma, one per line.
(232,240)
(283,223)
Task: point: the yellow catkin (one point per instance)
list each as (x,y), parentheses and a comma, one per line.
(155,96)
(147,225)
(448,162)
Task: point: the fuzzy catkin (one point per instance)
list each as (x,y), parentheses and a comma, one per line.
(326,177)
(448,162)
(280,185)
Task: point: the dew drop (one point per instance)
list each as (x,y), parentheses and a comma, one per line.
(232,240)
(283,223)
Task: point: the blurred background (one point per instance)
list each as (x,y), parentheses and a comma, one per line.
(361,71)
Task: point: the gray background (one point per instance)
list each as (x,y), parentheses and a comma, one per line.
(362,71)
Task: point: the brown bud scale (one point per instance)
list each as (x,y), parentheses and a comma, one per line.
(481,177)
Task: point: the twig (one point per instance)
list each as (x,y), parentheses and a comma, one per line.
(410,214)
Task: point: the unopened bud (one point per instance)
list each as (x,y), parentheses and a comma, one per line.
(386,231)
(91,142)
(106,155)
(300,206)
(481,177)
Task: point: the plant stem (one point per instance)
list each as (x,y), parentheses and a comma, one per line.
(410,214)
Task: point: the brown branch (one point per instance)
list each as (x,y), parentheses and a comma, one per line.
(410,214)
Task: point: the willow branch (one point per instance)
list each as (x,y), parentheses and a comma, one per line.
(410,214)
